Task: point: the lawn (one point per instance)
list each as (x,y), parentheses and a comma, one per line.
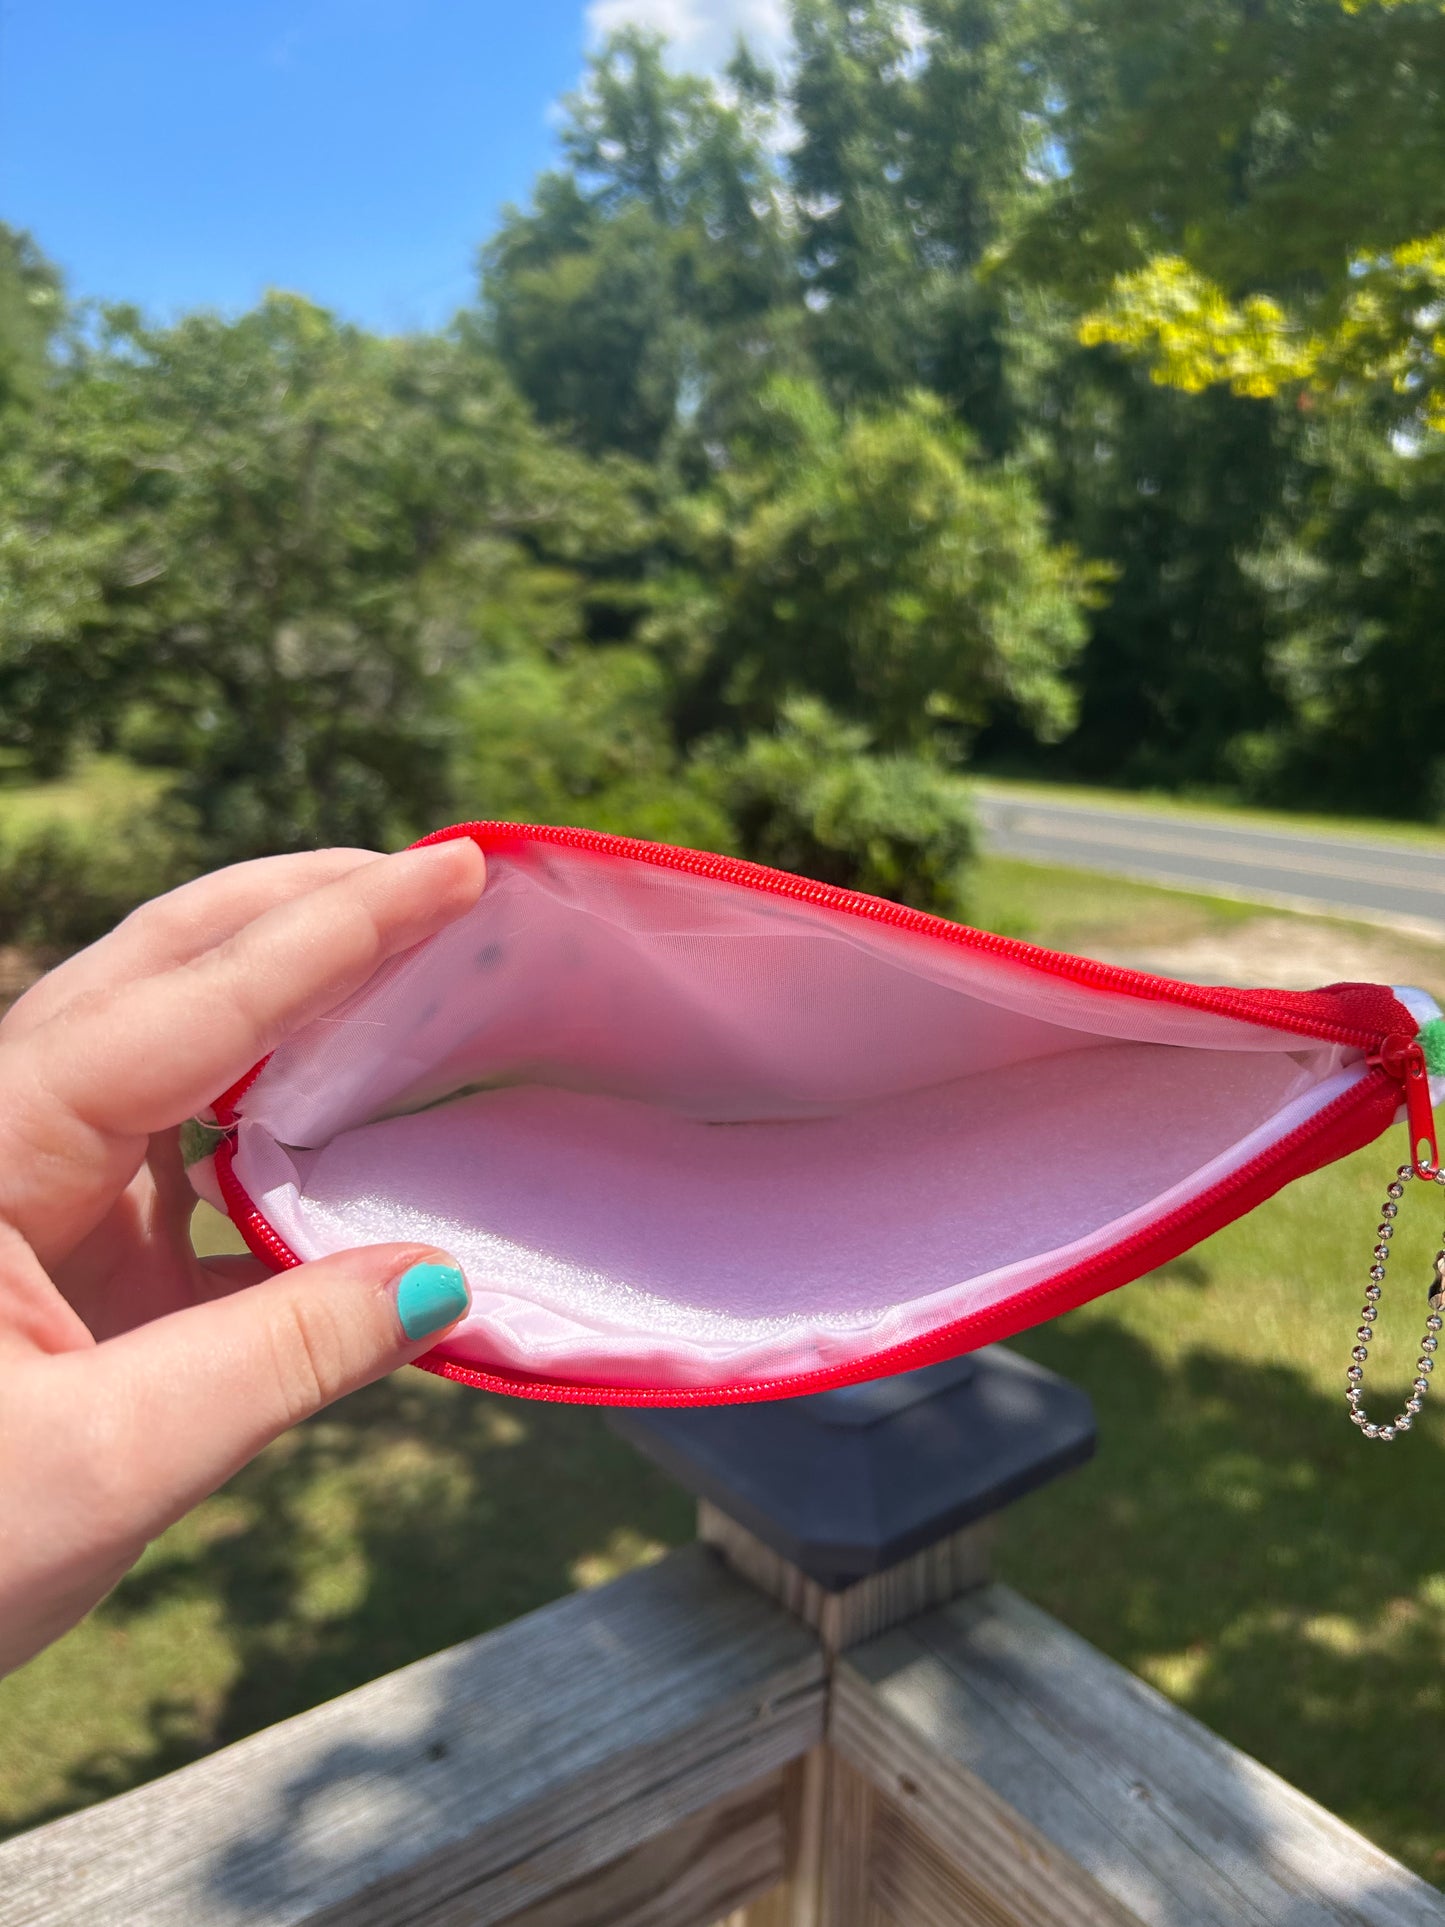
(1235,1542)
(100,789)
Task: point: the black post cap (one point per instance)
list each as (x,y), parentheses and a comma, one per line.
(847,1483)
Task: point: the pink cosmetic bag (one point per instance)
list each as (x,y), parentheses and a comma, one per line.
(700,1131)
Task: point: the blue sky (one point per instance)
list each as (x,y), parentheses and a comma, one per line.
(357,151)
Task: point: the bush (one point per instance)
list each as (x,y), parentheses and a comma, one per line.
(810,797)
(61,887)
(584,741)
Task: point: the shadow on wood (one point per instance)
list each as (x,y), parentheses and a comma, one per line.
(726,1735)
(487,1779)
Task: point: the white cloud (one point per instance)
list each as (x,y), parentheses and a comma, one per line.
(702,33)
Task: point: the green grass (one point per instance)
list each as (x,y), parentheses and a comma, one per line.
(1241,815)
(1234,1542)
(409,1516)
(100,789)
(1067,909)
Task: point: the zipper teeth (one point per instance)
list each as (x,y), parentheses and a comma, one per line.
(993,1322)
(225,1105)
(781,883)
(259,1235)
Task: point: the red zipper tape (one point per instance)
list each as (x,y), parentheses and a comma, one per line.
(1382,1027)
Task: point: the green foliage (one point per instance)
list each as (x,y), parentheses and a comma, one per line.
(64,885)
(923,141)
(1042,383)
(1261,191)
(32,309)
(589,333)
(254,531)
(1355,581)
(636,280)
(584,741)
(1269,143)
(810,797)
(774,424)
(1175,489)
(55,545)
(875,563)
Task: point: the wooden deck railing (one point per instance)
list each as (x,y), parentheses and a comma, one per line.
(622,1749)
(715,1738)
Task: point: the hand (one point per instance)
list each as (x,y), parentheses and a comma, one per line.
(134,1377)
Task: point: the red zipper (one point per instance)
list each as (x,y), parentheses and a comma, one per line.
(1350,1121)
(1404,1059)
(1284,1009)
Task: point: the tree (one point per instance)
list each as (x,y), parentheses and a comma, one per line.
(590,333)
(923,137)
(871,561)
(1176,491)
(583,738)
(298,527)
(1355,579)
(1259,193)
(32,311)
(44,591)
(647,264)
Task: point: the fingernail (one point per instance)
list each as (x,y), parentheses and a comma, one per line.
(429,1296)
(445,851)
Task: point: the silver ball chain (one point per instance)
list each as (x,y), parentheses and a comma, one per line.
(1429,1344)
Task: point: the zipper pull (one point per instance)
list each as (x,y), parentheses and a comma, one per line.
(1404,1058)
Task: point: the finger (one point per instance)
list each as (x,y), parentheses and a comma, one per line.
(231,1271)
(179,926)
(175,1200)
(139,1262)
(187,1400)
(34,1316)
(85,1092)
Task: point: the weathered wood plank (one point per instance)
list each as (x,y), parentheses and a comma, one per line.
(1070,1793)
(469,1786)
(829,1844)
(795,1902)
(707,1865)
(849,1846)
(994,1852)
(803,1785)
(913,1884)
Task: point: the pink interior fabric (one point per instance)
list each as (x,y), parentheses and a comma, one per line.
(681,1133)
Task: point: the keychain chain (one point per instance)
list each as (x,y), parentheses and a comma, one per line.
(1429,1344)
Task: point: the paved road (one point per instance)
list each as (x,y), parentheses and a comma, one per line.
(1307,869)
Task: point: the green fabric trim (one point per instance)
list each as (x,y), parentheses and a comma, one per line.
(198,1140)
(1432,1042)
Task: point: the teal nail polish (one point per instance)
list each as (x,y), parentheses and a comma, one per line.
(429,1296)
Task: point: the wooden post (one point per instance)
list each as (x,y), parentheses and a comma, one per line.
(844,1616)
(859,1510)
(829,1809)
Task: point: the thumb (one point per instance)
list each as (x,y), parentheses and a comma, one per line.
(189,1398)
